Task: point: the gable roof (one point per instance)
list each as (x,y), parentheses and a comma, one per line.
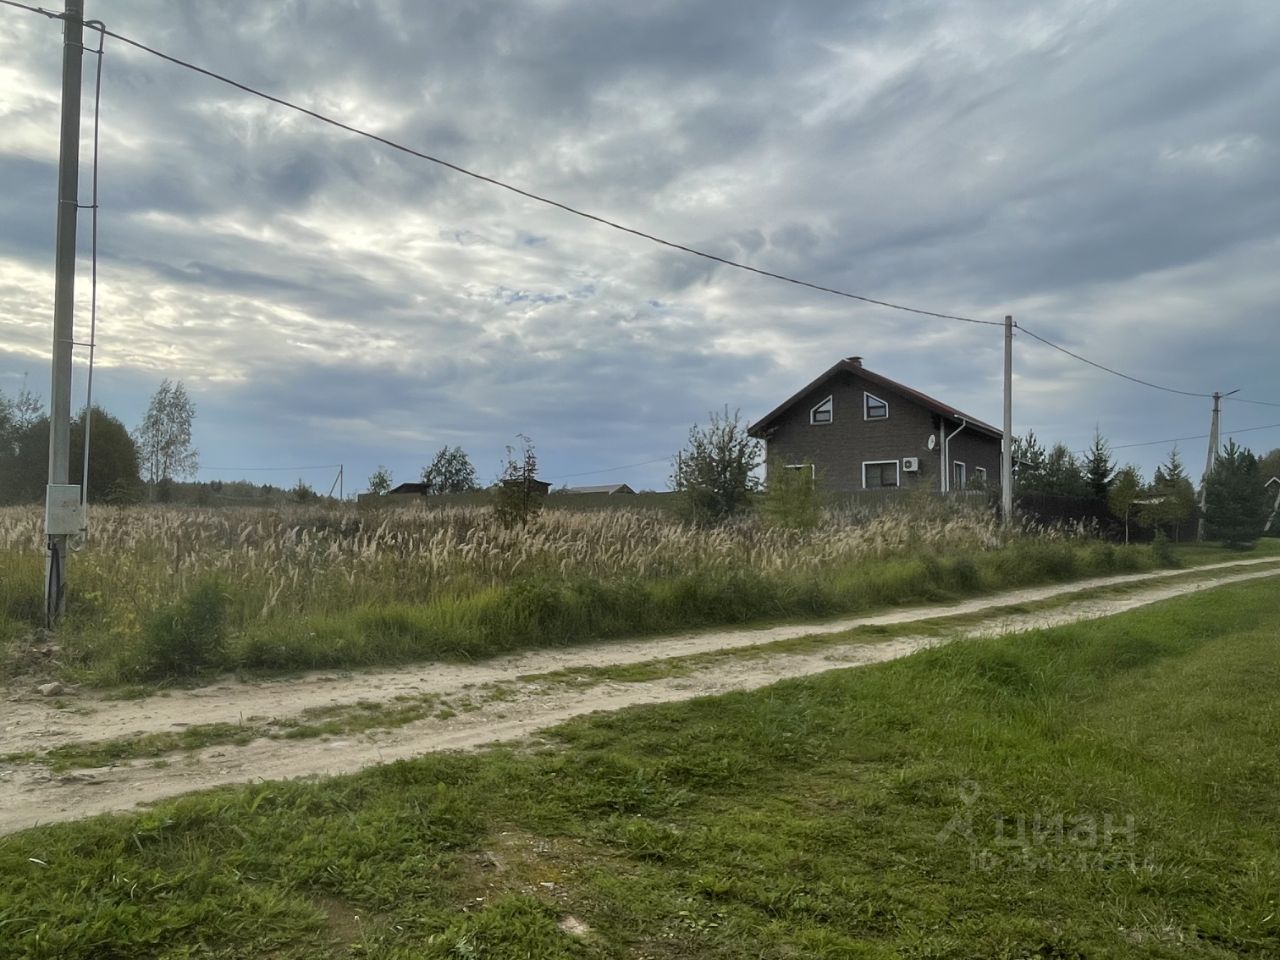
(602,488)
(853,365)
(409,488)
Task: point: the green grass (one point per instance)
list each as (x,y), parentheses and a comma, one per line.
(543,611)
(366,715)
(1104,790)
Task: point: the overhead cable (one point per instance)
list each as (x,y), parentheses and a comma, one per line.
(1113,372)
(494,181)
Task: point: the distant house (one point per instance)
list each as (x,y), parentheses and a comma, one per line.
(608,488)
(540,487)
(1275,508)
(862,431)
(415,488)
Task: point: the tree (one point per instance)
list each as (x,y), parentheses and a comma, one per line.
(1062,473)
(164,436)
(1235,500)
(1269,466)
(24,448)
(1126,487)
(113,459)
(17,415)
(451,471)
(380,480)
(713,473)
(302,492)
(1028,463)
(518,496)
(1099,469)
(1171,499)
(791,496)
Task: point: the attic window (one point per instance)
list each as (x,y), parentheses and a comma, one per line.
(874,408)
(822,412)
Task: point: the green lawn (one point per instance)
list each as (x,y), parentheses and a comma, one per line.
(1104,790)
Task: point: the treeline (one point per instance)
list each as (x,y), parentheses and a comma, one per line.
(124,467)
(114,471)
(1058,484)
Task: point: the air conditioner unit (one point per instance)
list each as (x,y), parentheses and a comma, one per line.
(910,464)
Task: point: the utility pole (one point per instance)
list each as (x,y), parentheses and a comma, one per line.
(1006,461)
(60,521)
(1213,452)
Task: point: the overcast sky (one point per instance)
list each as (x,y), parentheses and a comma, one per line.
(1108,172)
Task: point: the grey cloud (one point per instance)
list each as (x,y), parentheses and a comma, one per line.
(1063,161)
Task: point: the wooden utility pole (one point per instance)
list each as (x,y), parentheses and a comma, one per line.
(1006,461)
(60,519)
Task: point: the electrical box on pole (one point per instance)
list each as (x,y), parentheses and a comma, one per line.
(63,510)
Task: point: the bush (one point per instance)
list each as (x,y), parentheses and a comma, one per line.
(518,497)
(187,636)
(713,473)
(791,497)
(1162,551)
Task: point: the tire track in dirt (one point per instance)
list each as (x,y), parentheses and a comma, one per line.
(31,794)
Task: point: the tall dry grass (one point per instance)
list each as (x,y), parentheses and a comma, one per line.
(299,583)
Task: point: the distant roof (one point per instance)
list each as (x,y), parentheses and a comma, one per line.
(409,488)
(1272,480)
(854,366)
(603,488)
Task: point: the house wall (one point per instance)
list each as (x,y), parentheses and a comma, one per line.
(977,450)
(839,449)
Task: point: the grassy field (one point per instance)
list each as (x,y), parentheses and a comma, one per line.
(1104,790)
(159,593)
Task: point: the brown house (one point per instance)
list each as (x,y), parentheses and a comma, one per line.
(862,431)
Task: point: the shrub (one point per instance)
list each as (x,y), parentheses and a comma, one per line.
(1162,550)
(714,472)
(518,497)
(187,636)
(791,497)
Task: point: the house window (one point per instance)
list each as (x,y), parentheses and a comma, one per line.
(822,412)
(980,475)
(877,474)
(873,408)
(808,468)
(957,475)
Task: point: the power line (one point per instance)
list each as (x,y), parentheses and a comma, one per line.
(314,466)
(1260,403)
(1117,373)
(1198,436)
(493,181)
(627,466)
(51,14)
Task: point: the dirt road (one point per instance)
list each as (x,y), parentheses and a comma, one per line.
(30,793)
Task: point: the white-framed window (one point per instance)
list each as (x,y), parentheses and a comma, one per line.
(823,412)
(958,475)
(980,475)
(808,468)
(879,474)
(873,408)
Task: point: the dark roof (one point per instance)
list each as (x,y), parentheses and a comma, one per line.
(854,366)
(603,488)
(409,488)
